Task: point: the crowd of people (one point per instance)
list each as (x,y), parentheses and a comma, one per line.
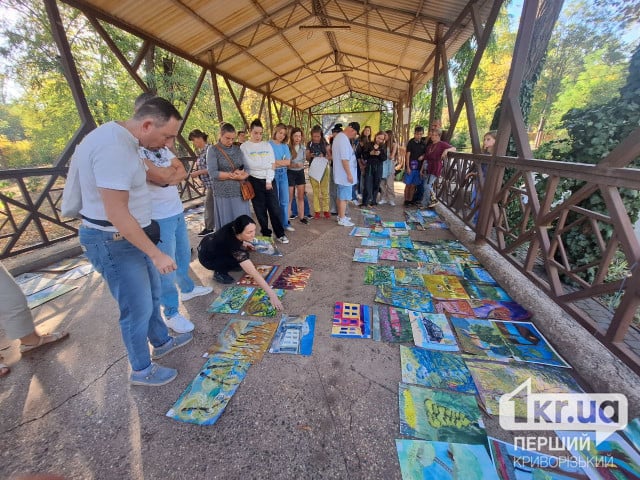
(133,227)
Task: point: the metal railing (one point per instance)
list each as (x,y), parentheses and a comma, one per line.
(528,219)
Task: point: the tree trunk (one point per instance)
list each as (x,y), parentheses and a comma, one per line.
(547,15)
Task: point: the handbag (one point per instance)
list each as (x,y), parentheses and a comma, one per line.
(246,189)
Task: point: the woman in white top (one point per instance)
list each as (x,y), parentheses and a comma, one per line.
(260,164)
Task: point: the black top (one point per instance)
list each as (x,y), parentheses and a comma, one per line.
(374,159)
(415,149)
(223,243)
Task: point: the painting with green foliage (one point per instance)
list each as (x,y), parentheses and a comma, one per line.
(231,299)
(438,415)
(409,298)
(494,379)
(378,275)
(420,459)
(433,369)
(259,305)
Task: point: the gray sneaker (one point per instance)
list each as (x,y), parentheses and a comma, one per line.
(173,344)
(153,376)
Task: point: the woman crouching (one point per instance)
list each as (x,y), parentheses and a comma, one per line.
(228,249)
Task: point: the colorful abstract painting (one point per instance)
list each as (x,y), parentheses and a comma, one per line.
(408,277)
(409,298)
(294,335)
(398,232)
(293,278)
(420,459)
(378,275)
(392,254)
(47,294)
(527,344)
(259,305)
(444,287)
(443,416)
(512,311)
(243,339)
(518,464)
(240,344)
(401,242)
(231,299)
(411,255)
(480,338)
(376,242)
(617,459)
(441,255)
(493,379)
(351,320)
(432,331)
(437,225)
(440,269)
(395,325)
(455,307)
(365,255)
(481,291)
(380,233)
(393,224)
(266,271)
(441,370)
(360,232)
(478,275)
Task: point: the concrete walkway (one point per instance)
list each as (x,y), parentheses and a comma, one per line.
(71,411)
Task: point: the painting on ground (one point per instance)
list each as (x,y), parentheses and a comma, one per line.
(432,331)
(518,464)
(294,335)
(409,298)
(433,369)
(231,299)
(420,459)
(351,320)
(439,415)
(494,379)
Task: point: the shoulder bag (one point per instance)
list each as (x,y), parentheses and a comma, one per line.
(246,189)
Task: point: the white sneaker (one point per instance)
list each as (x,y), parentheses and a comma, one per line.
(283,239)
(197,291)
(392,203)
(382,202)
(345,222)
(289,228)
(338,218)
(179,324)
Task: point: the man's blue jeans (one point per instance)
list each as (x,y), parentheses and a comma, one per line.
(427,185)
(134,283)
(281,184)
(174,241)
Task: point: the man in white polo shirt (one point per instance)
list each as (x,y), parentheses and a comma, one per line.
(119,237)
(344,169)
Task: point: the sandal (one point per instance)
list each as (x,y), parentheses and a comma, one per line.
(45,339)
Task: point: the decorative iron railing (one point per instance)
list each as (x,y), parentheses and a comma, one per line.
(529,221)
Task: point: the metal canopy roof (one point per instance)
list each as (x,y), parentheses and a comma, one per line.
(261,44)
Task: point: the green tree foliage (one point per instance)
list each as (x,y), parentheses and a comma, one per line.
(585,64)
(594,131)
